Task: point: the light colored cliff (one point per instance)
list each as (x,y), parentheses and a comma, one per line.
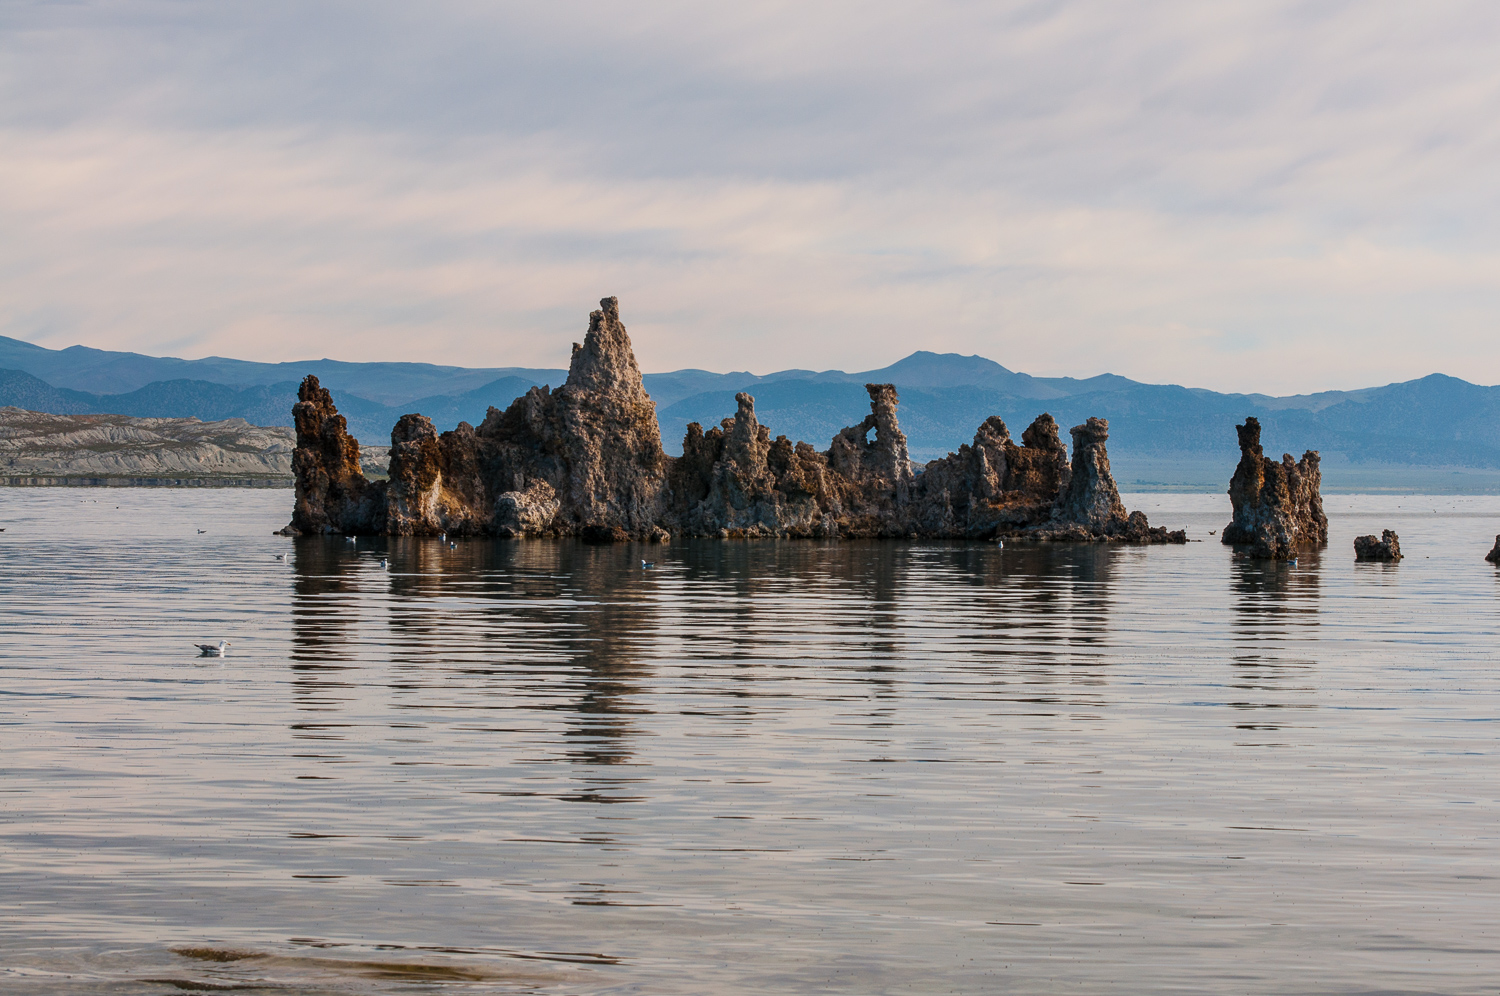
(33,444)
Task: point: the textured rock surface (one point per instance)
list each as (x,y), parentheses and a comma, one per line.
(414,493)
(1091,499)
(735,481)
(586,460)
(1278,507)
(35,444)
(1385,547)
(1494,555)
(1089,506)
(992,486)
(332,492)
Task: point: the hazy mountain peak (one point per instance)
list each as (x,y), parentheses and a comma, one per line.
(925,368)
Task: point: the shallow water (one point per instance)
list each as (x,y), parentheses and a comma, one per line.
(756,767)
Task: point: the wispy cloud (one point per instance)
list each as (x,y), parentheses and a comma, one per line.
(1241,196)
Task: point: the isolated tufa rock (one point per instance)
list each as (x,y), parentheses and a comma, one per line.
(1494,555)
(586,460)
(1277,506)
(1387,547)
(332,494)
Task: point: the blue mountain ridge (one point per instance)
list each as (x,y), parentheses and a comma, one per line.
(1435,421)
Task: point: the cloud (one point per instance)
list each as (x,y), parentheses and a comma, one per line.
(1241,196)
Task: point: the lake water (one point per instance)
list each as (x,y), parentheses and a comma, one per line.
(760,767)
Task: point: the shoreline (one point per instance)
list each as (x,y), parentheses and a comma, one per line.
(86,481)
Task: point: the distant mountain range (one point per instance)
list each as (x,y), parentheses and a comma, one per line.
(1174,433)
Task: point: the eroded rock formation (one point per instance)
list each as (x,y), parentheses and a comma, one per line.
(735,481)
(586,460)
(333,495)
(1089,506)
(1278,507)
(992,486)
(1386,547)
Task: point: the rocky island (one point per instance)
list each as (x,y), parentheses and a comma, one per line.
(1278,507)
(586,460)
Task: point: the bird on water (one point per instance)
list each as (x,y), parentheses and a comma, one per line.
(209,650)
(647,564)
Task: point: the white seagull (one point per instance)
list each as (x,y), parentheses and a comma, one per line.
(209,650)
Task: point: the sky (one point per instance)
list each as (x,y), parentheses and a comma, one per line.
(1244,196)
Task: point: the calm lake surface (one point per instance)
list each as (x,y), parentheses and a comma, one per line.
(760,767)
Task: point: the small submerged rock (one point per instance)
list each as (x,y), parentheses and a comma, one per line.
(1387,547)
(1494,555)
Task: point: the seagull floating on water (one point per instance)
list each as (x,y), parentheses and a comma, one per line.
(202,531)
(209,650)
(648,564)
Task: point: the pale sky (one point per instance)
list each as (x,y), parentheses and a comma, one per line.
(1276,197)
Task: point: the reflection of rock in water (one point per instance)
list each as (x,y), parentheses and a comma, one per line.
(1271,594)
(566,629)
(324,590)
(1276,608)
(1056,595)
(613,622)
(535,619)
(539,619)
(763,593)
